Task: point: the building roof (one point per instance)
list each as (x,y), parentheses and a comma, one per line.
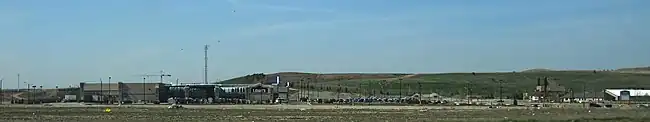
(633,92)
(584,95)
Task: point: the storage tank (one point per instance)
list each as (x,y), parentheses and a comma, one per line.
(625,95)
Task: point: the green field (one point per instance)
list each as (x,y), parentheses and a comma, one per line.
(453,84)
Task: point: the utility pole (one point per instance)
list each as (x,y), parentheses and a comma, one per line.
(338,92)
(320,90)
(26,100)
(420,92)
(300,91)
(161,75)
(469,92)
(371,91)
(13,101)
(545,90)
(409,93)
(40,90)
(28,94)
(584,94)
(500,82)
(572,96)
(382,92)
(400,88)
(205,66)
(18,81)
(307,89)
(501,91)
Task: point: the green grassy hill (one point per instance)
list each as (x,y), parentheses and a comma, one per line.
(452,84)
(455,84)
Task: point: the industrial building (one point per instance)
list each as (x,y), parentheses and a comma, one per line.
(548,91)
(259,92)
(586,96)
(160,92)
(123,92)
(627,95)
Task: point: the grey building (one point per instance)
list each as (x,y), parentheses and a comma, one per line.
(126,92)
(255,92)
(634,95)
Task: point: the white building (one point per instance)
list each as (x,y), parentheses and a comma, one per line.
(627,94)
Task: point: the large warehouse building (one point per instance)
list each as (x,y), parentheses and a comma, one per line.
(160,92)
(627,95)
(133,92)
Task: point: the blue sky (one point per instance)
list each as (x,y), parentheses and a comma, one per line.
(63,42)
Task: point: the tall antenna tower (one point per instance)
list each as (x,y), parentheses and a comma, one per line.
(205,66)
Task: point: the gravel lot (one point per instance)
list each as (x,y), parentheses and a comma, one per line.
(85,113)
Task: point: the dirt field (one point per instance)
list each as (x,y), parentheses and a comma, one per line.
(257,113)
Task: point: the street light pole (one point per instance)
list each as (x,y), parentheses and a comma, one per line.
(33,95)
(2,100)
(28,92)
(144,90)
(101,90)
(25,100)
(110,97)
(18,87)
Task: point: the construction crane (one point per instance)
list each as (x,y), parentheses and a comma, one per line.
(161,75)
(146,76)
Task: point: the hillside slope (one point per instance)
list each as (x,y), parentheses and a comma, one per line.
(451,84)
(645,70)
(455,84)
(310,77)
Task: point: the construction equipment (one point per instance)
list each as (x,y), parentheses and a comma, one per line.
(162,74)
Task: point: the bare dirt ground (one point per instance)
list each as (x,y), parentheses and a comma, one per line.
(85,113)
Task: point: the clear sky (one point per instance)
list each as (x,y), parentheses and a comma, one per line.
(62,42)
